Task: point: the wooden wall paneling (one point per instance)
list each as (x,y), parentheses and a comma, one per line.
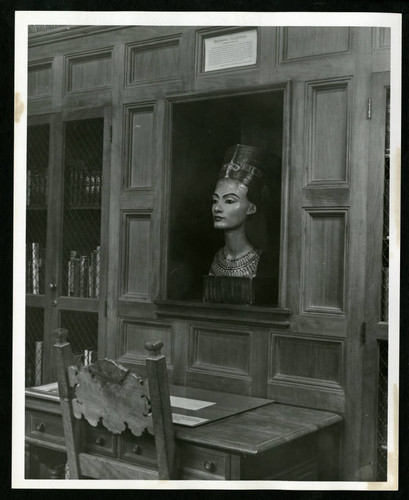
(381,49)
(40,78)
(54,234)
(180,332)
(317,362)
(268,52)
(132,336)
(327,326)
(294,210)
(321,196)
(305,42)
(40,106)
(324,261)
(220,358)
(158,183)
(87,71)
(136,255)
(327,130)
(259,362)
(104,242)
(139,146)
(115,181)
(381,39)
(355,305)
(285,195)
(153,60)
(306,370)
(188,62)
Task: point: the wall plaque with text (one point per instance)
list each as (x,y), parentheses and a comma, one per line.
(231,51)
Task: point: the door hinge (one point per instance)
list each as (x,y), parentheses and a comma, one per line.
(110,133)
(363,333)
(369,109)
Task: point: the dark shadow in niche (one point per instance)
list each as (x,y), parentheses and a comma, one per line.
(202,131)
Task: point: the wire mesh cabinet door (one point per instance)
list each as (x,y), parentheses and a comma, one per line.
(76,230)
(37,177)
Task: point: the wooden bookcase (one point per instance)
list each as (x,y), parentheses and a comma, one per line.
(162,120)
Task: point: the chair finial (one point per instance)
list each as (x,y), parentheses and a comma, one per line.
(154,347)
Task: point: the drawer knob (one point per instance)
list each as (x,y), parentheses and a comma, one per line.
(40,427)
(209,466)
(137,449)
(100,441)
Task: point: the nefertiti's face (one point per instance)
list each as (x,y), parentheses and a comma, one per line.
(231,205)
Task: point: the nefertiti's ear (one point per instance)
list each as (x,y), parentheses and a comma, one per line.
(252,209)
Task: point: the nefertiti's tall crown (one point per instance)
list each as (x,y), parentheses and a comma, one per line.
(247,164)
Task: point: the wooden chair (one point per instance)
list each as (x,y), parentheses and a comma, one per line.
(109,393)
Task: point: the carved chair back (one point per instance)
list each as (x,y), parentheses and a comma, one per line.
(107,393)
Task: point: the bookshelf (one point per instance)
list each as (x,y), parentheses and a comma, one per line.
(64,245)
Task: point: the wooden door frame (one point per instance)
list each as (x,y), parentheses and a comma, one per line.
(374,329)
(55,230)
(170,101)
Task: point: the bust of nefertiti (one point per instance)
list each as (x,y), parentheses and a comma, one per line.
(238,195)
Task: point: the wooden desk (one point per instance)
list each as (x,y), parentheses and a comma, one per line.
(269,441)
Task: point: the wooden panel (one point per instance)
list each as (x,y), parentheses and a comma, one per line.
(307,361)
(136,237)
(88,71)
(306,42)
(153,61)
(323,260)
(133,335)
(220,351)
(327,132)
(381,39)
(139,149)
(39,79)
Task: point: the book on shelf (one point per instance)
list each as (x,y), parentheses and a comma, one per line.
(84,268)
(73,274)
(38,362)
(85,185)
(83,274)
(97,270)
(29,276)
(90,356)
(35,263)
(36,188)
(91,274)
(28,188)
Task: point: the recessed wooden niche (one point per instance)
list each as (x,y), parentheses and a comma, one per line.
(202,131)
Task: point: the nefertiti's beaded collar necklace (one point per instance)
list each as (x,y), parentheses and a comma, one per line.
(241,267)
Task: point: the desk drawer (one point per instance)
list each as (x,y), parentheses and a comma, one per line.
(45,426)
(99,440)
(137,449)
(203,463)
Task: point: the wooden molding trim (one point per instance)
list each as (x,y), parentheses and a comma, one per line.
(227,313)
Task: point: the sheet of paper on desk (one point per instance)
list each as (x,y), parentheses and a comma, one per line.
(187,420)
(189,404)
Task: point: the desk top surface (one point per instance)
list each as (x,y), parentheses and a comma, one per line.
(233,423)
(259,429)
